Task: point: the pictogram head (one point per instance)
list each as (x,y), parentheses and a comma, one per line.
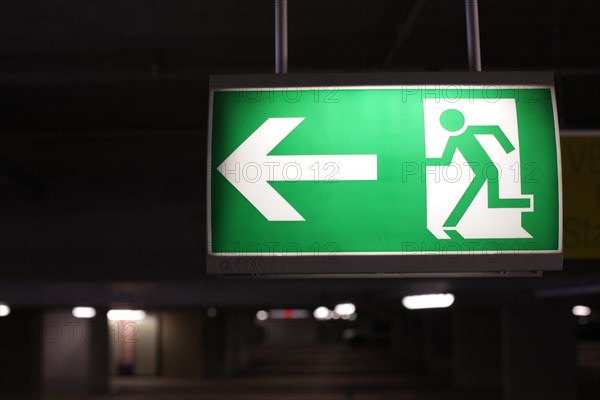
(452,120)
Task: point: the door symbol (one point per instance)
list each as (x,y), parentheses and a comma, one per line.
(473,170)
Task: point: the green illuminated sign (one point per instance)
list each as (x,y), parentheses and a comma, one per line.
(382,170)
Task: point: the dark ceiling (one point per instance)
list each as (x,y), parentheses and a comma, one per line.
(144,64)
(104,104)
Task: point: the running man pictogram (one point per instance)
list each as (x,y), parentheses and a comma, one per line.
(484,169)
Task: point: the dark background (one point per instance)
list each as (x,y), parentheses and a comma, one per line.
(103,116)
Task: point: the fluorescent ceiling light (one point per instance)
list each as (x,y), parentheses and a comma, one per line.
(345,309)
(262,315)
(84,312)
(126,315)
(4,310)
(581,311)
(322,314)
(428,301)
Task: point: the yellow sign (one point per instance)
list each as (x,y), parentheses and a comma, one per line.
(581,196)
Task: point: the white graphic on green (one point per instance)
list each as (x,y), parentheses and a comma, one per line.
(473,170)
(250,168)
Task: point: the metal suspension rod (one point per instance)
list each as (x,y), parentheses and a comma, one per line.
(281,37)
(473,46)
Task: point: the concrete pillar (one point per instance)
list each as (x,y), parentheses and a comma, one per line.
(245,343)
(20,350)
(147,346)
(74,354)
(181,344)
(438,335)
(98,336)
(237,344)
(409,339)
(231,342)
(539,345)
(477,348)
(213,343)
(228,342)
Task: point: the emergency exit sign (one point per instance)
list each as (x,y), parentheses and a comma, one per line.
(392,173)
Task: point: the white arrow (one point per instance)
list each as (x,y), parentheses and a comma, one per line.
(249,168)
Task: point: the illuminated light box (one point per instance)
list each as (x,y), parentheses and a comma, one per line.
(383,174)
